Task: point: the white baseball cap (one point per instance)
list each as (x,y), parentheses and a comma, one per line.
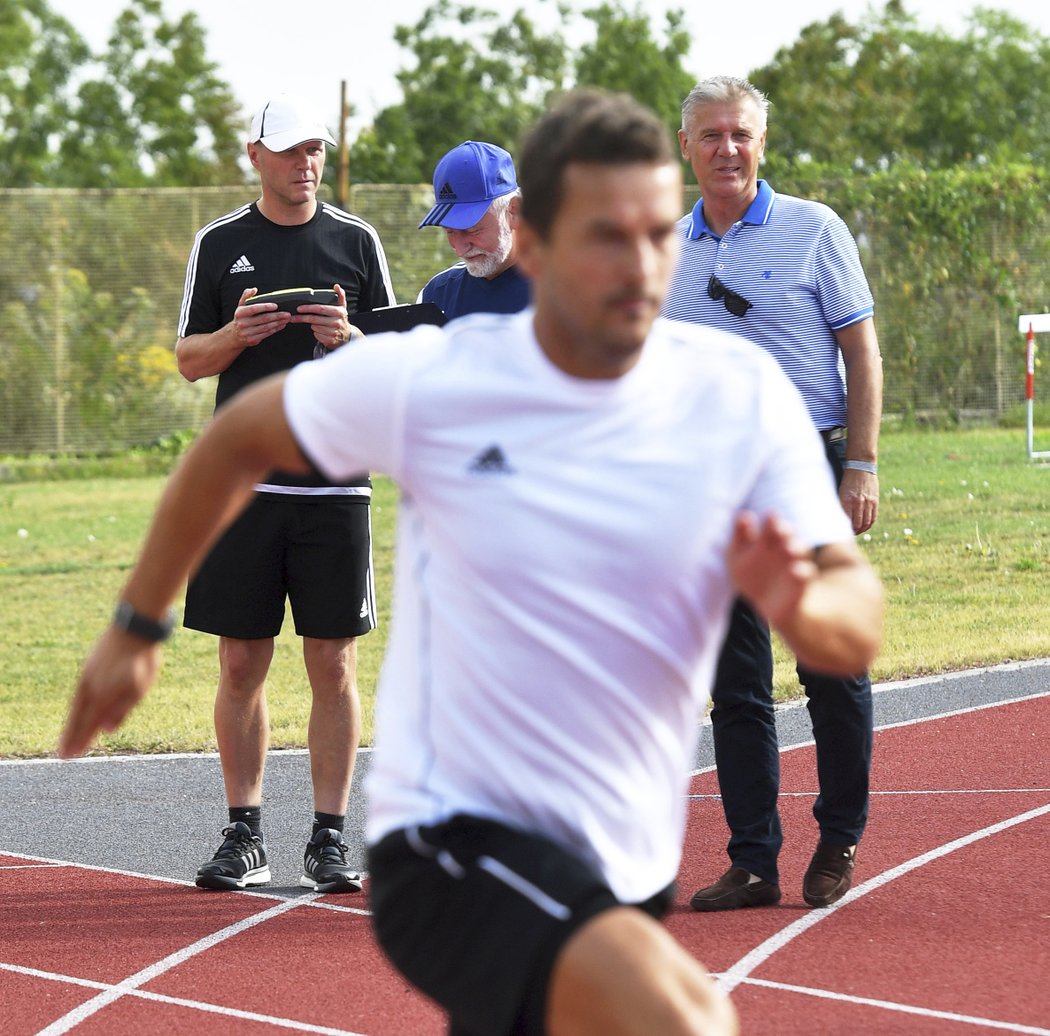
(284,122)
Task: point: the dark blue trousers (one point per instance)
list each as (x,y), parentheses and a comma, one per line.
(747,754)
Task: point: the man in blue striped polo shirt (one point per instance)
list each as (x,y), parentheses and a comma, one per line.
(785,273)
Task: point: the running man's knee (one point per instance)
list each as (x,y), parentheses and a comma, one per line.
(623,974)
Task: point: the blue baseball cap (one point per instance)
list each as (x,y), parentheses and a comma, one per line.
(466,182)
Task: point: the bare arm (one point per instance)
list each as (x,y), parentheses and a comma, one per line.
(826,604)
(248,437)
(202,355)
(859,490)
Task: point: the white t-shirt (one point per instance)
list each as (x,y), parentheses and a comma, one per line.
(560,586)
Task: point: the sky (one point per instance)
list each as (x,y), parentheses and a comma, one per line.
(263,47)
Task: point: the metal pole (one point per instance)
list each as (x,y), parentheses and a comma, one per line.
(343,185)
(59,355)
(1029,385)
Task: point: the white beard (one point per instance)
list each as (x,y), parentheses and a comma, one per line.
(485,264)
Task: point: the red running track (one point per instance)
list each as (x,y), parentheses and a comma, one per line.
(947,929)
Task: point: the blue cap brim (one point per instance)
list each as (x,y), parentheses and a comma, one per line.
(455,215)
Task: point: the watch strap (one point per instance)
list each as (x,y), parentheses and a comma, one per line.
(126,618)
(861,465)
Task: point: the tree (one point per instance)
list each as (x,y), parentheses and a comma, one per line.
(476,77)
(982,97)
(157,115)
(473,78)
(625,56)
(39,52)
(865,96)
(150,110)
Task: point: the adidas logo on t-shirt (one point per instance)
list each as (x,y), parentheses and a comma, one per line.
(491,462)
(243,265)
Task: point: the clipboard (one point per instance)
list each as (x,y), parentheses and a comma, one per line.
(397,318)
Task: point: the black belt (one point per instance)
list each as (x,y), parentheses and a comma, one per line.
(833,434)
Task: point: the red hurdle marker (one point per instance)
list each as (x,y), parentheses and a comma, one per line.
(1033,322)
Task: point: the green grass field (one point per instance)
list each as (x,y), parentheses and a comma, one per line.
(962,545)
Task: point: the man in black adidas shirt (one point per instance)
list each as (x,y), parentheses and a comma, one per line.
(301,539)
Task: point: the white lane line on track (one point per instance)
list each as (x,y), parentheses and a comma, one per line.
(51,976)
(964,711)
(889,1005)
(961,791)
(173,960)
(906,791)
(145,757)
(45,861)
(731,978)
(174,1001)
(307,900)
(801,704)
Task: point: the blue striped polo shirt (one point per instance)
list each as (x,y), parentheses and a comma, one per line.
(797,263)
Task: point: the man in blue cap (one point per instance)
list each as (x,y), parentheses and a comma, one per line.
(476,199)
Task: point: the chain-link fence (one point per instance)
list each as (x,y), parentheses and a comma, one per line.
(952,352)
(91,283)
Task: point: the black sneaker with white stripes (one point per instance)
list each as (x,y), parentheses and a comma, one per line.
(240,861)
(324,864)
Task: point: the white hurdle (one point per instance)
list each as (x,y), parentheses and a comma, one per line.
(1031,324)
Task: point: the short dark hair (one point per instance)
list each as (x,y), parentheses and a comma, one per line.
(584,126)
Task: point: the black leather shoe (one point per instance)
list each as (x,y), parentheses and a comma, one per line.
(734,890)
(829,874)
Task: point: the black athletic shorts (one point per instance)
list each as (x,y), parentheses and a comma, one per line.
(314,551)
(474,914)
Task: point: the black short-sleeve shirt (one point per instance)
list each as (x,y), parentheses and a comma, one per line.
(244,249)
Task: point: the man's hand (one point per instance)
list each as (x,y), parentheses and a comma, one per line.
(330,324)
(115,678)
(254,323)
(209,487)
(768,566)
(859,496)
(827,604)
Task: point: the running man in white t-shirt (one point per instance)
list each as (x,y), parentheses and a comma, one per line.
(584,490)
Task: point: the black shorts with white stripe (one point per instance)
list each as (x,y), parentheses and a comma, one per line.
(312,551)
(474,914)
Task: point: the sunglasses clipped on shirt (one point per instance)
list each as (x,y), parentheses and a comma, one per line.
(736,304)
